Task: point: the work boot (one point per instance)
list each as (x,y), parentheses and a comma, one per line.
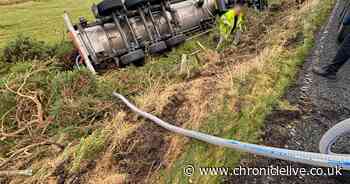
(325,72)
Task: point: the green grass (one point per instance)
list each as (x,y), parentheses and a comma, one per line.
(89,148)
(41,20)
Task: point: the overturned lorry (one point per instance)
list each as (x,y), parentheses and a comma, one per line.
(124,31)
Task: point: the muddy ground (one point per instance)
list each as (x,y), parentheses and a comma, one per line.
(320,104)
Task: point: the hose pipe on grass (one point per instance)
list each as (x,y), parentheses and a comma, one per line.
(315,159)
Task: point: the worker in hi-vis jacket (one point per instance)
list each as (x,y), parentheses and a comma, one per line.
(231,22)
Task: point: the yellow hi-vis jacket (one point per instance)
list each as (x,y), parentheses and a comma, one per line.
(227,23)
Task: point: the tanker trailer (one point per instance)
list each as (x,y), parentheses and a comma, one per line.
(124,31)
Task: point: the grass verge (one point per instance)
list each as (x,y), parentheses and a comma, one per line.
(255,92)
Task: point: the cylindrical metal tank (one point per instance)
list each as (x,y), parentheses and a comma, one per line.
(104,41)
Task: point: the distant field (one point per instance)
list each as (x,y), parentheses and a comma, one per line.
(8,2)
(41,19)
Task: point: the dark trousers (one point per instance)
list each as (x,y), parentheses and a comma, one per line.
(343,55)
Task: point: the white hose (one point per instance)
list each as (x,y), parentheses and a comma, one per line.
(315,159)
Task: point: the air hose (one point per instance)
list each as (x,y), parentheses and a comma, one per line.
(325,159)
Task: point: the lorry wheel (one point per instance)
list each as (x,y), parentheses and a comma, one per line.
(132,4)
(106,7)
(175,40)
(155,1)
(157,48)
(139,63)
(132,57)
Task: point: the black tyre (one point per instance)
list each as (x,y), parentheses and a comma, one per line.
(155,1)
(175,40)
(106,7)
(139,63)
(131,57)
(157,48)
(133,4)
